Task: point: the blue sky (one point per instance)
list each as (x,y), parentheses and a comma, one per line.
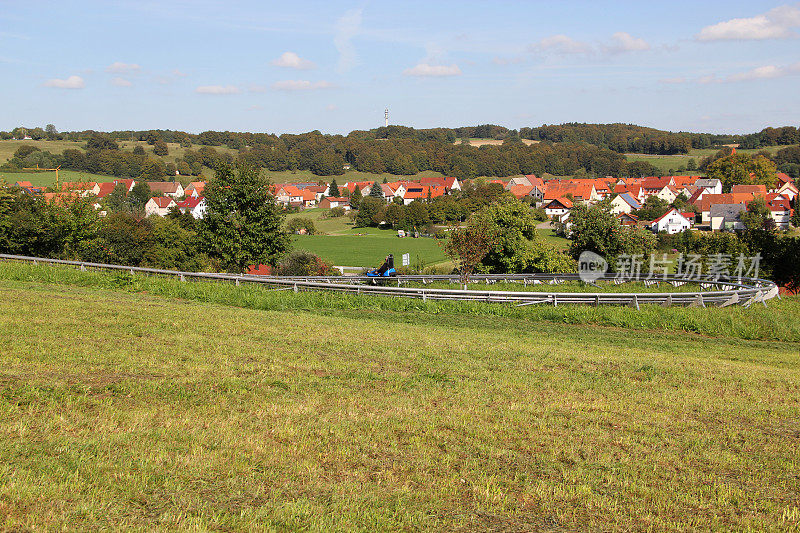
(280,67)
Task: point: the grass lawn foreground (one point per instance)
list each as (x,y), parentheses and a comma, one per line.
(127,404)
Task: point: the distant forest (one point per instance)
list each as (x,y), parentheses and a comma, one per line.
(566,149)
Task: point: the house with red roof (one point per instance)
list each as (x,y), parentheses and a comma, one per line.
(450,183)
(581,191)
(755,190)
(290,195)
(627,219)
(363,186)
(780,209)
(422,192)
(329,202)
(194,205)
(104,189)
(129,183)
(789,190)
(84,188)
(673,221)
(173,189)
(195,188)
(558,207)
(159,205)
(521,191)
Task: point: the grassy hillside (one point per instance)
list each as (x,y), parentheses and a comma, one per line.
(129,410)
(666,162)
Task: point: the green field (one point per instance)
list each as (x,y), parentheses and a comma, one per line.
(48,179)
(666,162)
(140,406)
(370,248)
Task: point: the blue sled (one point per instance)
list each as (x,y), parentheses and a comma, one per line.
(385,271)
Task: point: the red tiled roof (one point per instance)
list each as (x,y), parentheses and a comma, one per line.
(164,187)
(520,191)
(105,189)
(759,190)
(565,202)
(191,202)
(162,201)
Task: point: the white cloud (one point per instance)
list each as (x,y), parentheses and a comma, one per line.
(428,70)
(300,85)
(759,73)
(622,42)
(217,89)
(774,24)
(119,67)
(678,79)
(73,82)
(121,82)
(562,45)
(292,60)
(347,27)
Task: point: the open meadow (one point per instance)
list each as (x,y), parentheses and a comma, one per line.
(145,403)
(667,163)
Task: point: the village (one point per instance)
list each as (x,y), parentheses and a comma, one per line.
(705,206)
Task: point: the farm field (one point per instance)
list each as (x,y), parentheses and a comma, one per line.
(264,419)
(666,162)
(370,248)
(493,142)
(48,179)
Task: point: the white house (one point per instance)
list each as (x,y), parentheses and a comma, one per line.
(166,188)
(160,205)
(712,186)
(726,216)
(557,207)
(624,203)
(672,222)
(196,206)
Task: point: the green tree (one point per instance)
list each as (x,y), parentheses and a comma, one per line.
(516,247)
(742,169)
(99,141)
(691,164)
(355,198)
(301,225)
(375,191)
(598,230)
(757,216)
(334,189)
(796,214)
(242,225)
(653,208)
(468,246)
(138,150)
(371,212)
(160,148)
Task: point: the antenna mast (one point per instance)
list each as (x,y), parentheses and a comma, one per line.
(386,117)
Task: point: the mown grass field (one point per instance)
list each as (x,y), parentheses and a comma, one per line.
(371,248)
(48,179)
(128,404)
(666,162)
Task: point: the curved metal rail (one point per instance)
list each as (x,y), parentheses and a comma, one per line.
(716,291)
